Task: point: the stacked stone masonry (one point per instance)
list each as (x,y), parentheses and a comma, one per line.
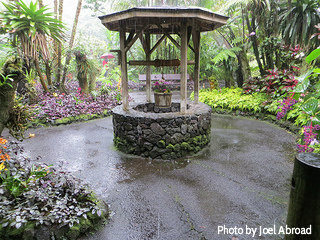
(167,134)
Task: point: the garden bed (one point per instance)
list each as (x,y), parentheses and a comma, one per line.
(42,202)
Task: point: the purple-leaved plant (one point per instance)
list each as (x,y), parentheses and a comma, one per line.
(52,106)
(285,106)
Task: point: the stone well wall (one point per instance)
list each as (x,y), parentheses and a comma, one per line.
(165,135)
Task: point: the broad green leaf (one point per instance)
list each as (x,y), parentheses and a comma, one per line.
(310,106)
(304,76)
(302,87)
(316,70)
(316,120)
(313,55)
(317,86)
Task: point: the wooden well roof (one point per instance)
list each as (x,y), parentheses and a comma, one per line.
(169,18)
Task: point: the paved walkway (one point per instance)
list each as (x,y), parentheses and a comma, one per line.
(242,178)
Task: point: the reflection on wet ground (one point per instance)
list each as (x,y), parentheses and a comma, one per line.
(241,178)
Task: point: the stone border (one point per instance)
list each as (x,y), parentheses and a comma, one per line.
(162,135)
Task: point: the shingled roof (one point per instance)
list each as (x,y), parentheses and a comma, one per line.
(168,17)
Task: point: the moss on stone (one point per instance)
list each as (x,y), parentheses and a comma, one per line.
(185,146)
(170,147)
(161,144)
(177,147)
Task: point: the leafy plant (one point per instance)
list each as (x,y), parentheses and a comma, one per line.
(6,79)
(297,22)
(275,83)
(31,26)
(36,195)
(233,99)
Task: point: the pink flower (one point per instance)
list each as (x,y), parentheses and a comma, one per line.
(252,34)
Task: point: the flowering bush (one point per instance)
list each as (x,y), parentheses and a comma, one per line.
(285,106)
(37,196)
(309,138)
(161,86)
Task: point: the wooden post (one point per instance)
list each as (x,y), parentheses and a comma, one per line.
(183,83)
(196,44)
(124,73)
(304,204)
(148,68)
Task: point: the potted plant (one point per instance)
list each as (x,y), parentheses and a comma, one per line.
(162,94)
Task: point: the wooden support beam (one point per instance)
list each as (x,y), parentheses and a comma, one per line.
(189,34)
(124,72)
(134,39)
(143,43)
(184,68)
(189,46)
(159,63)
(157,44)
(169,36)
(119,55)
(196,44)
(130,37)
(148,68)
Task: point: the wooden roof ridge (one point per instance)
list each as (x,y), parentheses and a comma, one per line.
(170,16)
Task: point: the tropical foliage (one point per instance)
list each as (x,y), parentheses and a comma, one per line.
(57,198)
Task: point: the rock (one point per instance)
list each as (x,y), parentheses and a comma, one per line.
(139,129)
(153,138)
(42,232)
(179,121)
(131,138)
(147,131)
(177,138)
(148,145)
(155,152)
(157,129)
(190,128)
(128,126)
(184,129)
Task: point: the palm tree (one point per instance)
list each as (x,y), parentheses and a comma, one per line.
(31,26)
(297,22)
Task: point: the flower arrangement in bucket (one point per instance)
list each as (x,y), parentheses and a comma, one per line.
(162,93)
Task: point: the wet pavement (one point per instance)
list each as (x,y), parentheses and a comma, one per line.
(242,178)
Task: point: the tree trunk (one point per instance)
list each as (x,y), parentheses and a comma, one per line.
(83,81)
(40,3)
(48,73)
(7,93)
(58,74)
(253,38)
(245,67)
(43,83)
(228,80)
(239,73)
(74,29)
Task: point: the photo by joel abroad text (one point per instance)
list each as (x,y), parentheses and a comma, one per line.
(261,231)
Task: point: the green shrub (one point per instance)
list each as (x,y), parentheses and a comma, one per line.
(233,99)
